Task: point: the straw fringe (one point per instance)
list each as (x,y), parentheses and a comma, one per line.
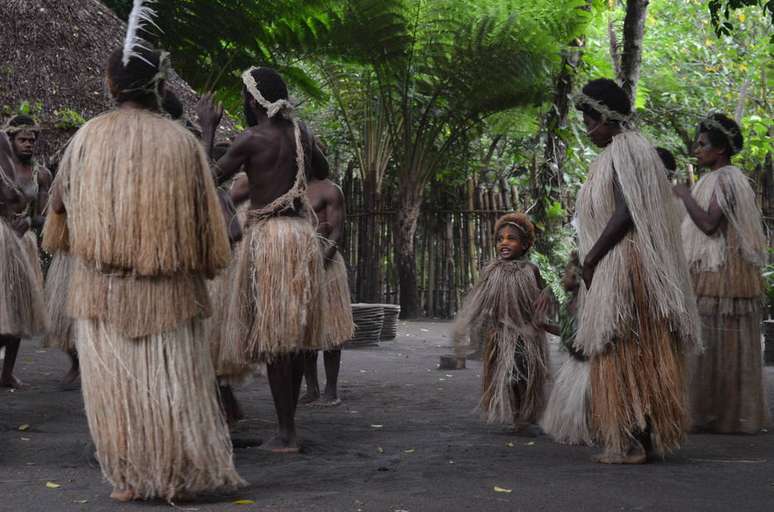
(56,236)
(727,382)
(633,163)
(337,305)
(567,418)
(233,371)
(638,383)
(22,310)
(136,306)
(129,207)
(153,412)
(60,332)
(30,244)
(274,307)
(500,308)
(736,198)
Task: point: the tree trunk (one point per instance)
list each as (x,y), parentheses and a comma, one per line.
(549,184)
(631,57)
(408,215)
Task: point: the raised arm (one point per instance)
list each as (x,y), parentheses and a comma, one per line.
(237,156)
(708,221)
(615,230)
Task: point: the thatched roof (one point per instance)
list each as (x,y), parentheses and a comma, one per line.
(53,54)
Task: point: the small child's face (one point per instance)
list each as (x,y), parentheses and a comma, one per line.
(570,280)
(509,243)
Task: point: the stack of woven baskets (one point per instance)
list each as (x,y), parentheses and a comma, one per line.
(374,323)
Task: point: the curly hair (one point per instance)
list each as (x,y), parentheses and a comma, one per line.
(723,132)
(609,94)
(524,226)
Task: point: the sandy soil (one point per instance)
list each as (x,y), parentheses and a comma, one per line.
(405,439)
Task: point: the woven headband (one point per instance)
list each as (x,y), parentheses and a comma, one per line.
(606,112)
(12,130)
(282,107)
(712,124)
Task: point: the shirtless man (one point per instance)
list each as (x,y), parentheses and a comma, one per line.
(327,200)
(21,302)
(33,178)
(274,314)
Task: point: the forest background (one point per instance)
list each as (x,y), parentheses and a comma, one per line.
(437,115)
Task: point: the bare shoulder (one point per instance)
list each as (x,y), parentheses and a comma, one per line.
(332,191)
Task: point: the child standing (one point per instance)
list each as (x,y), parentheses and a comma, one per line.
(566,418)
(501,309)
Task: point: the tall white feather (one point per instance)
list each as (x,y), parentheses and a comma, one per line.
(140,17)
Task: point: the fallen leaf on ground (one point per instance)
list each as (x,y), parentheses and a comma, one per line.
(412,450)
(52,485)
(501,489)
(244,502)
(380,449)
(509,444)
(24,427)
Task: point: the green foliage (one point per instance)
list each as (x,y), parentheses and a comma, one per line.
(725,25)
(67,119)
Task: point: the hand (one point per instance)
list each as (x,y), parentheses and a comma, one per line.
(542,304)
(209,111)
(588,274)
(681,190)
(21,225)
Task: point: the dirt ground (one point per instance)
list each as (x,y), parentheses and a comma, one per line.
(405,439)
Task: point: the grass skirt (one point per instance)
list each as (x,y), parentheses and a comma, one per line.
(274,305)
(514,377)
(227,371)
(153,411)
(22,310)
(136,306)
(638,383)
(727,385)
(337,306)
(30,244)
(567,417)
(60,330)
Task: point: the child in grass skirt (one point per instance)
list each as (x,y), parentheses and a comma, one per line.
(501,309)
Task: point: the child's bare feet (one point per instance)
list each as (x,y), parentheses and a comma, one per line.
(123,495)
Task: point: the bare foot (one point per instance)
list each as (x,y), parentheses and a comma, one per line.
(122,496)
(635,455)
(326,402)
(527,429)
(11,382)
(278,444)
(70,380)
(308,398)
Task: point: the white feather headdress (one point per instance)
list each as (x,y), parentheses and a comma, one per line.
(142,15)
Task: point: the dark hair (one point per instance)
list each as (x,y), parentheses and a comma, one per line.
(732,142)
(21,120)
(172,105)
(608,93)
(667,158)
(527,232)
(271,86)
(134,82)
